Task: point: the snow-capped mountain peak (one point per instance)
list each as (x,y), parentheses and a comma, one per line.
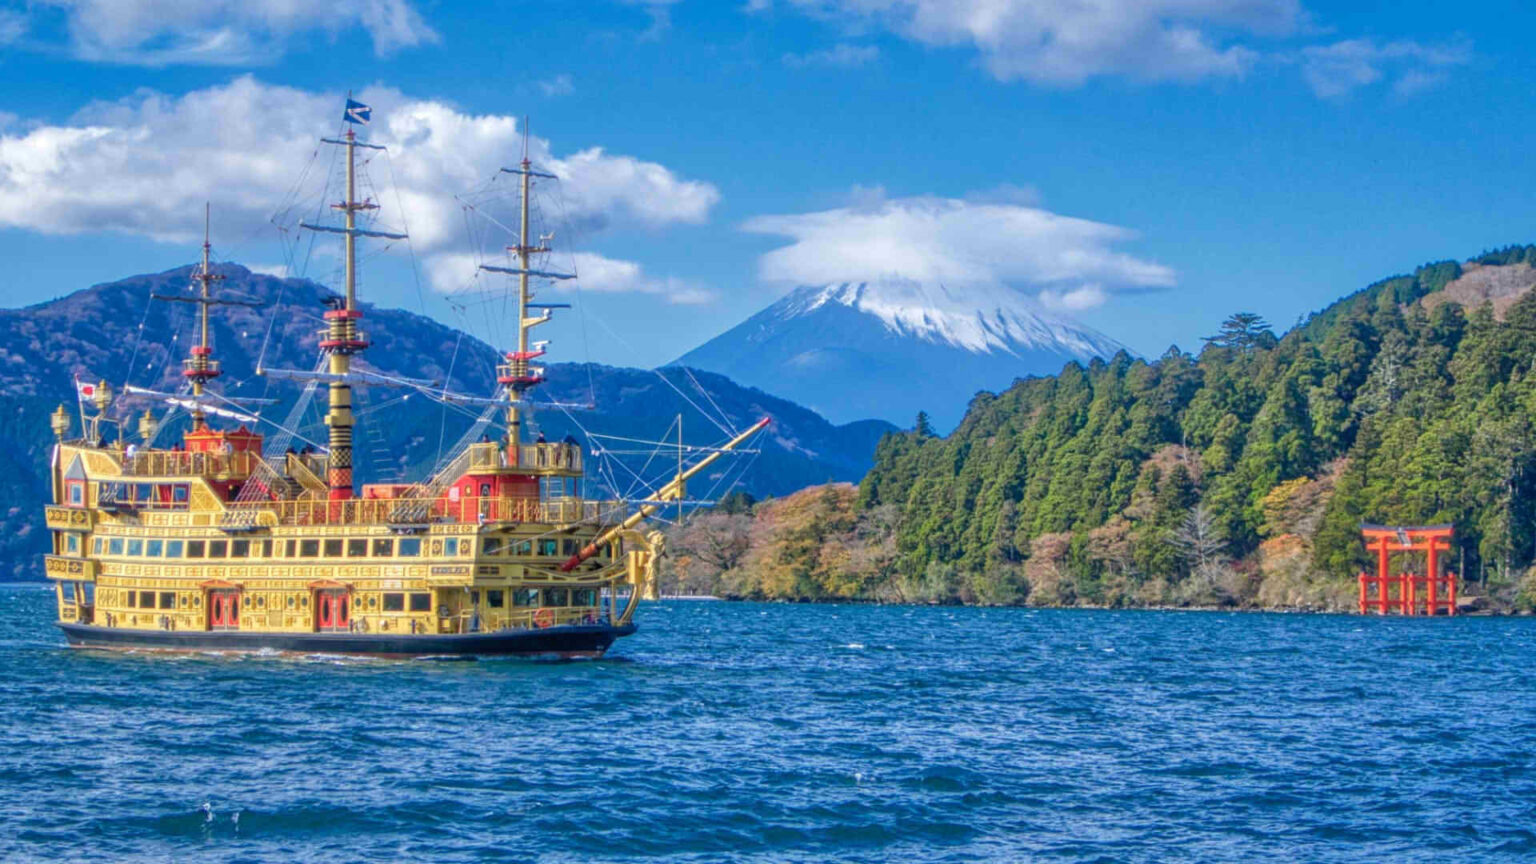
(981,319)
(890,347)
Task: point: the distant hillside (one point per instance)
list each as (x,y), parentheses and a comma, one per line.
(1237,476)
(95,333)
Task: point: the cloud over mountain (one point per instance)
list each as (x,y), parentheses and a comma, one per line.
(1067,262)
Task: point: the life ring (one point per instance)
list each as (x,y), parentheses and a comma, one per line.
(544,617)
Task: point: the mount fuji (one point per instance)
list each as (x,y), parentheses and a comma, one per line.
(891,348)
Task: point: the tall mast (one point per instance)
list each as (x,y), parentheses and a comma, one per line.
(200,367)
(342,341)
(342,338)
(516,374)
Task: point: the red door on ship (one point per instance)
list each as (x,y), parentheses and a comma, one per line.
(332,610)
(223,610)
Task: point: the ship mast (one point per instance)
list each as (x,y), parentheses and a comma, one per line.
(516,374)
(200,368)
(341,339)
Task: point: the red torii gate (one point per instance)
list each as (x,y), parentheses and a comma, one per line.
(1433,593)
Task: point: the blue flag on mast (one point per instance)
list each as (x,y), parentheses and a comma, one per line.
(357,112)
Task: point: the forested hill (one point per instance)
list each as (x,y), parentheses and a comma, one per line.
(1240,474)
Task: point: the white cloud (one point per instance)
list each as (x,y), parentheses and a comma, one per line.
(1341,68)
(559,85)
(1070,263)
(455,272)
(281,271)
(226,32)
(1066,42)
(13,26)
(598,273)
(145,164)
(842,55)
(660,13)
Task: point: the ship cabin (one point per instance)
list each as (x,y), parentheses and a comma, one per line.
(207,535)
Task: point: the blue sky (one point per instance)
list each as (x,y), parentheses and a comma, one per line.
(1147,166)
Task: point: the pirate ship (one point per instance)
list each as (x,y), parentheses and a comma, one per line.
(229,540)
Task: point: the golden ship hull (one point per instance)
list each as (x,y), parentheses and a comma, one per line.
(148,557)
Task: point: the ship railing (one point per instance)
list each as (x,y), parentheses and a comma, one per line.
(306,469)
(183,463)
(407,511)
(202,365)
(540,617)
(562,456)
(559,456)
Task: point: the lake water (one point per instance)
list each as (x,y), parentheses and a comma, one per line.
(776,733)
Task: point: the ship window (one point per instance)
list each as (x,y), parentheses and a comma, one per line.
(167,599)
(135,547)
(451,547)
(72,543)
(485,489)
(141,493)
(568,547)
(383,548)
(146,599)
(173,548)
(115,546)
(266,548)
(421,602)
(128,599)
(309,548)
(549,547)
(556,597)
(179,493)
(525,548)
(394,602)
(333,548)
(357,548)
(240,549)
(293,548)
(583,597)
(218,548)
(196,548)
(96,546)
(491,546)
(409,547)
(76,493)
(494,598)
(155,548)
(525,597)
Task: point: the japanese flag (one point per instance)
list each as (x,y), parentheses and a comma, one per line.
(84,390)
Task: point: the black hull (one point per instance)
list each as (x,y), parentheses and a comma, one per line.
(587,640)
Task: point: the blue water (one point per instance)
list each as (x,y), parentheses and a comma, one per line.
(774,733)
